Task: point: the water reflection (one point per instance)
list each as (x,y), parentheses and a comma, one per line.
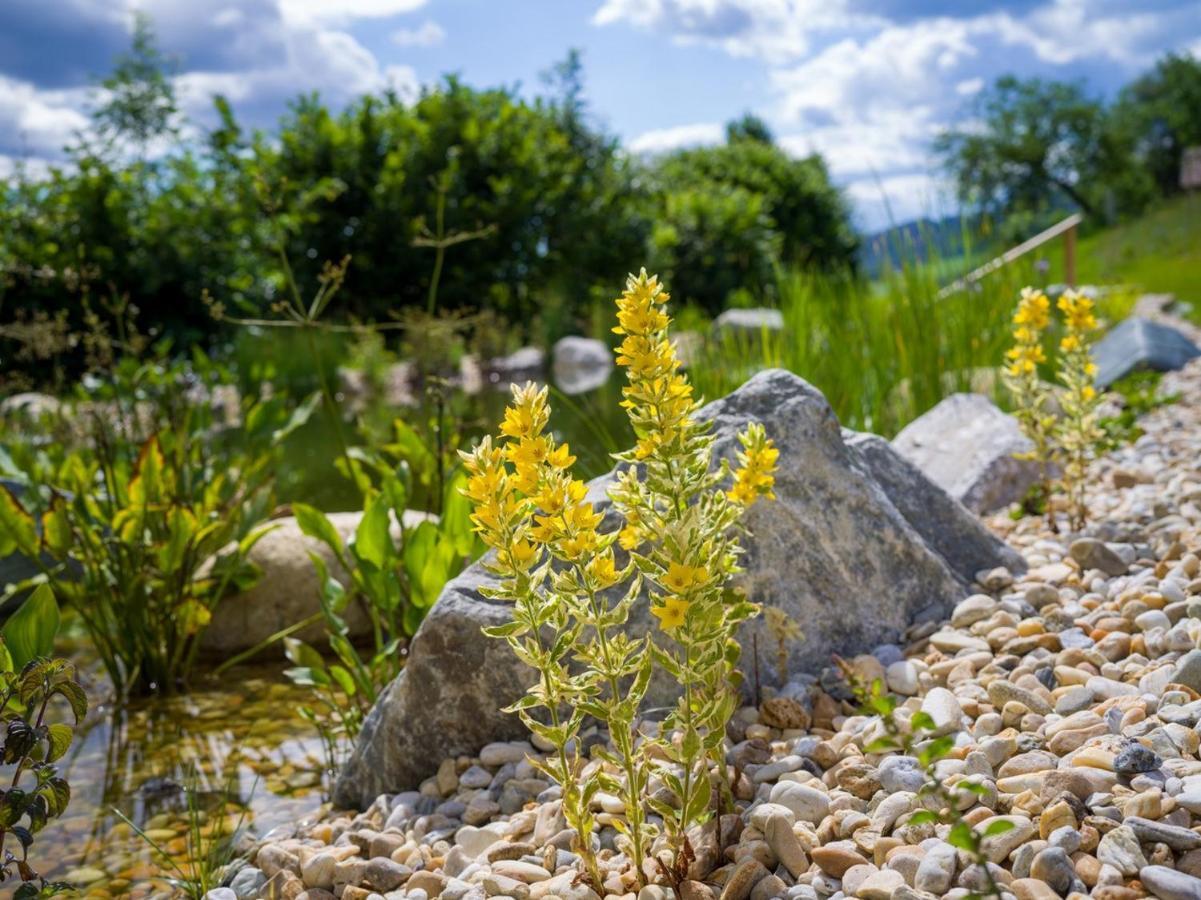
(239,742)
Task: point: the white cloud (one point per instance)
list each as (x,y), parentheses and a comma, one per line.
(775,30)
(38,122)
(890,200)
(342,11)
(428,34)
(662,140)
(969,87)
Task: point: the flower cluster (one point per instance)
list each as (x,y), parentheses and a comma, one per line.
(1068,441)
(572,597)
(1079,431)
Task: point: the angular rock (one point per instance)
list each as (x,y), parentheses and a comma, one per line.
(1137,343)
(841,551)
(966,446)
(965,545)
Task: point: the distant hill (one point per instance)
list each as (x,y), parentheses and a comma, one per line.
(919,241)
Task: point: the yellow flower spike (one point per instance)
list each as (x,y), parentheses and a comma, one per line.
(671,613)
(629,538)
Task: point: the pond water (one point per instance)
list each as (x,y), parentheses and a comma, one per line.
(238,746)
(592,422)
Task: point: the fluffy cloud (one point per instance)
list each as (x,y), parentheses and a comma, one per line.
(258,53)
(662,140)
(775,30)
(869,83)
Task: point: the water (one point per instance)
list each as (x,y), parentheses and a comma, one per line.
(593,424)
(239,740)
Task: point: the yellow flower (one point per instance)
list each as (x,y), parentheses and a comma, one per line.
(680,577)
(1070,343)
(629,538)
(528,453)
(518,423)
(560,457)
(1077,311)
(1034,309)
(602,570)
(671,613)
(521,554)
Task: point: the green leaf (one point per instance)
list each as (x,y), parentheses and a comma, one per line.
(344,679)
(961,836)
(74,695)
(29,632)
(18,531)
(922,817)
(59,738)
(301,654)
(372,540)
(299,417)
(315,524)
(998,827)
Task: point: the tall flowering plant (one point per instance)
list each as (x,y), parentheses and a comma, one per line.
(571,595)
(680,531)
(1031,398)
(1079,431)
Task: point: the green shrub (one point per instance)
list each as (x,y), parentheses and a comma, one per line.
(30,682)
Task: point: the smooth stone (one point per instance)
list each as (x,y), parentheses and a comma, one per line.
(1170,884)
(806,803)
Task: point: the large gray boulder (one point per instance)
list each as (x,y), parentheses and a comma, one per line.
(1136,344)
(857,546)
(967,446)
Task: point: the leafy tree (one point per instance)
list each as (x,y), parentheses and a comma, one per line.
(139,96)
(749,127)
(737,210)
(1160,113)
(1040,146)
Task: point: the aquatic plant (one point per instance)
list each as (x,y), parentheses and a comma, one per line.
(32,687)
(210,842)
(144,546)
(1079,433)
(397,563)
(571,596)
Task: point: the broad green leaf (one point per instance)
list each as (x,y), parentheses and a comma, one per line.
(29,632)
(372,540)
(56,528)
(147,485)
(998,827)
(59,738)
(961,836)
(344,679)
(315,524)
(18,531)
(301,654)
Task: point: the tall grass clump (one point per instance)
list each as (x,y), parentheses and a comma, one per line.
(883,351)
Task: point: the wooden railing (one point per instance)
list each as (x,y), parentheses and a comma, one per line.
(1067,228)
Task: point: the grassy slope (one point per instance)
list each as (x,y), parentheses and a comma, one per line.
(1158,253)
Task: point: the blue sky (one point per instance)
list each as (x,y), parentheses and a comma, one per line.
(868,83)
